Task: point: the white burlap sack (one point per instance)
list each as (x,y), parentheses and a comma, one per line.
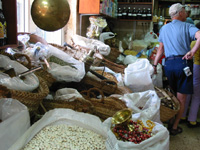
(15,121)
(30,82)
(62,116)
(66,73)
(159,141)
(147,103)
(138,75)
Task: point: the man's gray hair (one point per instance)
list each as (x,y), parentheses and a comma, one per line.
(175,9)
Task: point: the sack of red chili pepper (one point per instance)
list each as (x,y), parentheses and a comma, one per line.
(133,131)
(136,133)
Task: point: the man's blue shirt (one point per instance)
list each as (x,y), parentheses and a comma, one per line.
(176,37)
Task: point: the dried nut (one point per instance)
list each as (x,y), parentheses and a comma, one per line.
(64,137)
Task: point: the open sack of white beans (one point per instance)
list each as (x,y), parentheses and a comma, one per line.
(62,129)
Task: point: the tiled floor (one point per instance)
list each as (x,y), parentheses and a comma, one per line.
(189,139)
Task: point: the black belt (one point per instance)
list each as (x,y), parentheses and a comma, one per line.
(174,57)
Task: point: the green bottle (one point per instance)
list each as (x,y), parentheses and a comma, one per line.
(3,31)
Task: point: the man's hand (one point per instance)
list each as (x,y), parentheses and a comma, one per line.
(155,69)
(188,55)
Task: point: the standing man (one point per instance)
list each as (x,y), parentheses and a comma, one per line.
(175,38)
(188,11)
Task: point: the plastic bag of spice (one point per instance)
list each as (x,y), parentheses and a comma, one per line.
(8,76)
(69,69)
(140,134)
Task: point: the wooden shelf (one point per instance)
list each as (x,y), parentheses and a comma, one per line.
(106,16)
(135,3)
(134,20)
(174,1)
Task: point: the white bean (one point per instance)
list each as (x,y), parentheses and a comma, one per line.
(62,137)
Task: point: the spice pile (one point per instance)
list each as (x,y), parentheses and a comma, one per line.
(66,137)
(168,103)
(133,131)
(107,75)
(166,98)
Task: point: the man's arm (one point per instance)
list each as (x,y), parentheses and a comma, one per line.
(190,54)
(159,54)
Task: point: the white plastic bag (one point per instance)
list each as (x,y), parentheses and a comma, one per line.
(138,75)
(97,24)
(118,76)
(23,38)
(138,45)
(129,59)
(15,121)
(158,78)
(67,94)
(37,53)
(30,82)
(62,116)
(159,141)
(151,37)
(66,73)
(147,103)
(103,49)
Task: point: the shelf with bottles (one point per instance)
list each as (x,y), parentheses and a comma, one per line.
(134,20)
(135,13)
(139,2)
(192,1)
(10,13)
(165,4)
(180,1)
(173,1)
(135,10)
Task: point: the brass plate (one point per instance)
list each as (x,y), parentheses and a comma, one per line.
(50,15)
(122,116)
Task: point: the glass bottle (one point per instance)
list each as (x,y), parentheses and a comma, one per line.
(144,14)
(119,13)
(129,13)
(3,31)
(196,11)
(139,15)
(134,14)
(124,13)
(160,23)
(149,15)
(159,12)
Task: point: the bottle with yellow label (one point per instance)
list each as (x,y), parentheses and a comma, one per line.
(3,31)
